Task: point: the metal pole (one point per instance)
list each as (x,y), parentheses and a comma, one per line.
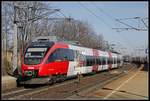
(15,59)
(15,49)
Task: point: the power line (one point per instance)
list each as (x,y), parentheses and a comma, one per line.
(114,18)
(99,19)
(63,14)
(94,15)
(127,24)
(118,20)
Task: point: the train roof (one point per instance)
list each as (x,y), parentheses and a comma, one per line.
(48,41)
(41,44)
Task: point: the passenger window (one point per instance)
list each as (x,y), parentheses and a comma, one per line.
(61,55)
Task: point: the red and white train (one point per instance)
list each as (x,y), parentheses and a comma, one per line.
(46,61)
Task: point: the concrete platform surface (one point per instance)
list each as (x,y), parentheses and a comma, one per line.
(132,86)
(8,82)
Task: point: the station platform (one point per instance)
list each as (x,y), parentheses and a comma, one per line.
(8,82)
(133,86)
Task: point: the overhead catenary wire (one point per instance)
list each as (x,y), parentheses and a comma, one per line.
(95,15)
(63,14)
(101,20)
(115,19)
(118,20)
(100,9)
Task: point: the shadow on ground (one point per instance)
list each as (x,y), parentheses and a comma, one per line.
(33,85)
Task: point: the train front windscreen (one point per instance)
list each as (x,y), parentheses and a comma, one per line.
(36,52)
(33,56)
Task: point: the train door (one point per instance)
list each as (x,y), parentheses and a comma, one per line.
(105,62)
(73,65)
(81,63)
(80,60)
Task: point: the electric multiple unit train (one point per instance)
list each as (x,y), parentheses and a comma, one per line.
(47,61)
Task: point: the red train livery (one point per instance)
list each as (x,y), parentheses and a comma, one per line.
(46,61)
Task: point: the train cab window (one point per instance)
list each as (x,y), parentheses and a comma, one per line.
(34,55)
(61,55)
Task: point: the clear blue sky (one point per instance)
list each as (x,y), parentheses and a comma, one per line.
(130,39)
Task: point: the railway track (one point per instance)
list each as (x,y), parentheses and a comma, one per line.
(68,88)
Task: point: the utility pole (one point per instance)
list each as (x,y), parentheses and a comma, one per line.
(21,20)
(15,62)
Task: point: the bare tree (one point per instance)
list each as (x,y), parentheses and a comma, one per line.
(29,17)
(78,31)
(7,26)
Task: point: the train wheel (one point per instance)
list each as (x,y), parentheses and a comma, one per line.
(50,82)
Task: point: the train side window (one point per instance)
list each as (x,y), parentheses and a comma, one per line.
(93,60)
(116,61)
(69,54)
(98,61)
(101,61)
(53,56)
(104,61)
(110,60)
(61,54)
(89,60)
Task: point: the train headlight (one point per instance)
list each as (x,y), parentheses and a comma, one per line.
(28,73)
